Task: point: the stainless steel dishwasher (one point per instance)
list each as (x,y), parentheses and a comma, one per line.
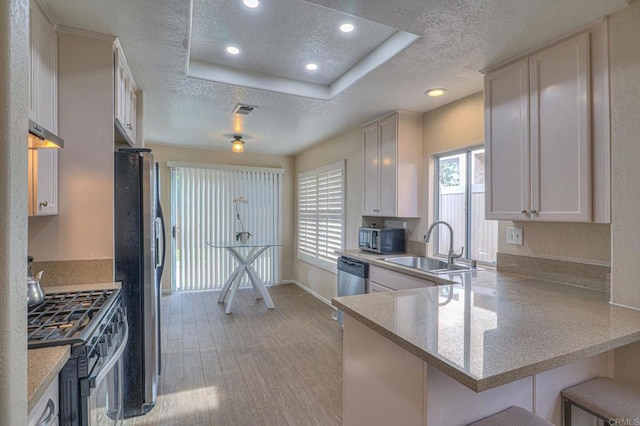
(352,279)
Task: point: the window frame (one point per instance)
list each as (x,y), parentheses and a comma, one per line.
(306,257)
(468,188)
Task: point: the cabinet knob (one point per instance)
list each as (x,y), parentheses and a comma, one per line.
(534,211)
(44,204)
(523,211)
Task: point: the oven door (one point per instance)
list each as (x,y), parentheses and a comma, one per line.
(105,403)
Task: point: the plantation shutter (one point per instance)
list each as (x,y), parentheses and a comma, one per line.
(321,214)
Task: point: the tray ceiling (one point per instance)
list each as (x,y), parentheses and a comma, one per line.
(277,39)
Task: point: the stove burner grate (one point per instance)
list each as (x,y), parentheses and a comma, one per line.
(66,318)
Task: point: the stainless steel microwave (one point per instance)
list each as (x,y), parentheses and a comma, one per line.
(381,240)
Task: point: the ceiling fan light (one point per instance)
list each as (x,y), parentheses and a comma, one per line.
(237,144)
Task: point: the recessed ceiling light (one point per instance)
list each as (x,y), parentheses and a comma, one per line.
(252,4)
(347,28)
(436,92)
(312,67)
(233,50)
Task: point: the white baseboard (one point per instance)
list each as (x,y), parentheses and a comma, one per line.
(310,291)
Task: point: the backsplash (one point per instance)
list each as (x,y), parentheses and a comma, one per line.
(587,275)
(416,248)
(69,272)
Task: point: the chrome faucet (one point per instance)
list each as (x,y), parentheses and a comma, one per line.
(452,255)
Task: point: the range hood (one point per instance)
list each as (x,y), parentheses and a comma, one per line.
(39,137)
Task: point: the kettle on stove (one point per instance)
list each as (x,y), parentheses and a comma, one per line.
(35,293)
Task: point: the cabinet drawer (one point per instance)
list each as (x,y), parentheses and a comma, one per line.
(43,409)
(377,288)
(396,280)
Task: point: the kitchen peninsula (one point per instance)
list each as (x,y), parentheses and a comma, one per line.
(455,353)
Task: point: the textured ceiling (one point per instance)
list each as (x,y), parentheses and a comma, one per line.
(458,38)
(281,37)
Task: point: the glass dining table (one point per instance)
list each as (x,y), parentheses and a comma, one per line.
(245,255)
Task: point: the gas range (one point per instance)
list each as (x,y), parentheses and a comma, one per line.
(68,318)
(94,324)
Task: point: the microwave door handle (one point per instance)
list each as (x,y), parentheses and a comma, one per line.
(93,381)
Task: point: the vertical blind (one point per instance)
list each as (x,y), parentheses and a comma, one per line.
(204,212)
(321,214)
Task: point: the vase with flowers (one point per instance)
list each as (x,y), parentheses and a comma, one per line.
(242,236)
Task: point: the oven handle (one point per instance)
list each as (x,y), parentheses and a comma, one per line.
(51,408)
(93,381)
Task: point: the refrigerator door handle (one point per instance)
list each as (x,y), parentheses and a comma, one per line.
(159,231)
(164,241)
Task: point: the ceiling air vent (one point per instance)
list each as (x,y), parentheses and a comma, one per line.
(243,109)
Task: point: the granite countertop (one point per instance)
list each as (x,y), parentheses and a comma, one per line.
(44,365)
(489,328)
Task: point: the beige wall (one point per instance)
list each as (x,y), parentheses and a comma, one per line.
(456,125)
(164,153)
(14,89)
(624,33)
(624,57)
(347,146)
(579,242)
(83,228)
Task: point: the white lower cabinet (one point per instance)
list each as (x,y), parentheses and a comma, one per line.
(381,279)
(374,287)
(45,412)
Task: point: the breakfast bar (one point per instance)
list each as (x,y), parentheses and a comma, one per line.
(458,352)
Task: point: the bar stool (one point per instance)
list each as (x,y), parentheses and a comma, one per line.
(513,416)
(604,398)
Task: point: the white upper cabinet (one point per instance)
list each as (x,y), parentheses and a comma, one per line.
(43,182)
(43,109)
(507,166)
(391,165)
(370,169)
(561,133)
(43,70)
(125,97)
(539,142)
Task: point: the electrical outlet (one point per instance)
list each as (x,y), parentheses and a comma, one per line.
(514,235)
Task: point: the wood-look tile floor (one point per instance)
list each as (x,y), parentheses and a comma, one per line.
(253,367)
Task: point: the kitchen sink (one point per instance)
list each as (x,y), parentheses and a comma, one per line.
(433,266)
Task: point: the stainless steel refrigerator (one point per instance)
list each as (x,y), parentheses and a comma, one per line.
(139,261)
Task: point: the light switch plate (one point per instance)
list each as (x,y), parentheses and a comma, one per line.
(514,236)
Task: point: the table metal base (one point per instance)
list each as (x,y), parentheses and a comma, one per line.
(234,280)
